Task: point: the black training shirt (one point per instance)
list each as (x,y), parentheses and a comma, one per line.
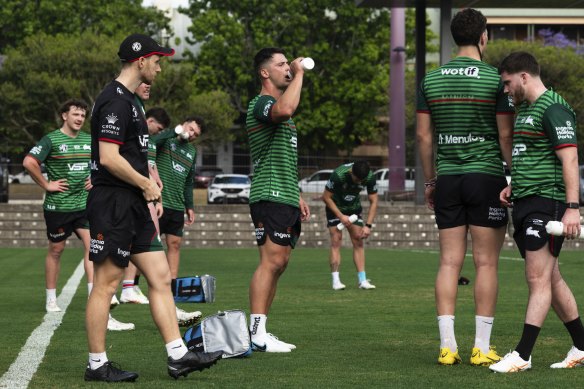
(116,118)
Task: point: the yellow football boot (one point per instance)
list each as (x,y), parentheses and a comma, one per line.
(477,358)
(448,357)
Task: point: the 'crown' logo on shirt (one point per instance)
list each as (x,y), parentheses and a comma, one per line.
(111,118)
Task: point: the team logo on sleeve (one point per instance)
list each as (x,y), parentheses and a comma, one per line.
(36,150)
(111,118)
(267,108)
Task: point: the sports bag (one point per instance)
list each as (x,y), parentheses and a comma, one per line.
(226,331)
(194,289)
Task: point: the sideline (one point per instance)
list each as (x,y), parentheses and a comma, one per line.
(32,353)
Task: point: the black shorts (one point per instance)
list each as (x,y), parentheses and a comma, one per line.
(119,224)
(530,216)
(172,222)
(60,225)
(332,220)
(469,199)
(280,221)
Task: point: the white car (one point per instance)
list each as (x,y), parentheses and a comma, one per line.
(316,182)
(382,177)
(229,188)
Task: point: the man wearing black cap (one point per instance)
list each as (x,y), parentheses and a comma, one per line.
(121,227)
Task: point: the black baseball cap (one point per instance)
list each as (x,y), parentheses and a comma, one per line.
(136,46)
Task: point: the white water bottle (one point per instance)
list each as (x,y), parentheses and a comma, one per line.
(307,63)
(180,131)
(557,228)
(353,218)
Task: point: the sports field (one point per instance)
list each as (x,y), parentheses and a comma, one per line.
(386,337)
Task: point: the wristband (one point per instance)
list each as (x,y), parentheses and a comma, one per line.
(431,183)
(573,205)
(368,225)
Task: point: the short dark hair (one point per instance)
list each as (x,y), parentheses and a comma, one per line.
(467,26)
(66,106)
(265,55)
(361,169)
(160,115)
(520,61)
(197,119)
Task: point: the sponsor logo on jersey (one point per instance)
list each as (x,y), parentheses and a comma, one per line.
(531,231)
(36,150)
(294,141)
(119,91)
(173,146)
(259,231)
(96,245)
(267,108)
(189,156)
(77,167)
(51,207)
(63,148)
(178,167)
(94,165)
(566,132)
(453,139)
(471,71)
(349,198)
(134,111)
(282,235)
(143,139)
(111,118)
(60,233)
(86,147)
(123,253)
(519,148)
(497,213)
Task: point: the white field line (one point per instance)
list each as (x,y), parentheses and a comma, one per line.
(32,353)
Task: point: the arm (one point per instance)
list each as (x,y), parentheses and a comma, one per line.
(327,197)
(33,167)
(286,105)
(188,195)
(118,166)
(424,137)
(571,219)
(371,215)
(505,127)
(304,210)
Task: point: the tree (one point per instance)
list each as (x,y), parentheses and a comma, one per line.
(20,19)
(342,95)
(561,69)
(47,70)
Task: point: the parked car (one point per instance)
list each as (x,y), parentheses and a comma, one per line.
(316,182)
(203,176)
(24,178)
(382,177)
(4,179)
(229,188)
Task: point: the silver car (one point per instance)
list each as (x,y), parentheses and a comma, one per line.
(229,188)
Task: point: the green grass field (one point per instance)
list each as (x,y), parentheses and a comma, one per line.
(386,337)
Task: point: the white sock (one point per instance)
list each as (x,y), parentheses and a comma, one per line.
(446,327)
(97,360)
(89,288)
(176,349)
(127,284)
(336,278)
(51,295)
(484,325)
(257,324)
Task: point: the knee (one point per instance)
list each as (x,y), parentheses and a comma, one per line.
(357,243)
(55,251)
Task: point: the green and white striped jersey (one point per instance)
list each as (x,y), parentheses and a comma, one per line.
(274,155)
(175,160)
(463,97)
(68,158)
(540,129)
(345,191)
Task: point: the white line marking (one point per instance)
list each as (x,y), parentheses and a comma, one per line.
(32,353)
